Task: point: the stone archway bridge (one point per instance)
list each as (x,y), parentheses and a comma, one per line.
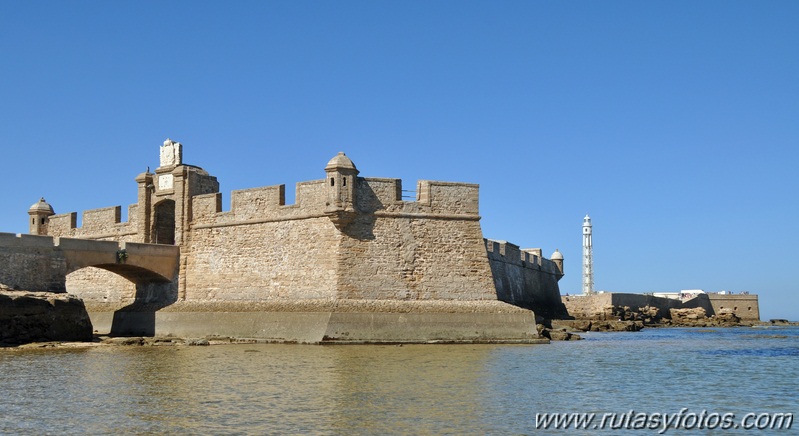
(41,263)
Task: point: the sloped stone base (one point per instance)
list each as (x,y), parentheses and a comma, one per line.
(333,321)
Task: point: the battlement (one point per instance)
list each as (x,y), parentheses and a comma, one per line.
(106,221)
(507,252)
(432,197)
(374,195)
(264,203)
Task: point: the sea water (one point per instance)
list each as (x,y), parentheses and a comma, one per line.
(410,389)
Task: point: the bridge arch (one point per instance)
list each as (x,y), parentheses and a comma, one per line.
(41,263)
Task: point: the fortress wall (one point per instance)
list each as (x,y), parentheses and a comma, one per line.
(262,248)
(636,301)
(379,194)
(205,208)
(263,204)
(588,306)
(448,197)
(376,195)
(293,259)
(401,257)
(745,306)
(95,220)
(103,223)
(414,250)
(524,278)
(252,203)
(62,224)
(25,253)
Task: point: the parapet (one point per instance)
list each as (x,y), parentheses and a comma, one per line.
(97,223)
(432,197)
(531,258)
(374,196)
(260,204)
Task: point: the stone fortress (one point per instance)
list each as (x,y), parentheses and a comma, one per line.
(349,261)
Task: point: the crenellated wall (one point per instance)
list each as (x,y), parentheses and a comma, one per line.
(395,249)
(96,285)
(415,250)
(103,223)
(524,278)
(345,239)
(257,205)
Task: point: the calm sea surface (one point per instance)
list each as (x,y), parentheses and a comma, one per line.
(411,389)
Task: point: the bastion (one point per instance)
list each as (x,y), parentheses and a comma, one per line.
(350,261)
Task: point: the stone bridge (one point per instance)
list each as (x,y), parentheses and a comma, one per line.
(41,263)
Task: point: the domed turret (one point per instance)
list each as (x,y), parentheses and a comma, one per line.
(40,213)
(341,181)
(557,258)
(340,162)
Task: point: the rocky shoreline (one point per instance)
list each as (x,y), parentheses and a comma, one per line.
(36,320)
(140,341)
(626,320)
(41,317)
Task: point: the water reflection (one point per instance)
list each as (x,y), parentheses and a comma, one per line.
(418,389)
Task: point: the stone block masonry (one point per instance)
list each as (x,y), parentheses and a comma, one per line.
(345,239)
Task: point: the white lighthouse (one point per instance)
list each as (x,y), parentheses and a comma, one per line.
(588,258)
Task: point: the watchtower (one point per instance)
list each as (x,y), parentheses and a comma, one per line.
(40,213)
(557,259)
(342,179)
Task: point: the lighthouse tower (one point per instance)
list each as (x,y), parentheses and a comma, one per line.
(588,258)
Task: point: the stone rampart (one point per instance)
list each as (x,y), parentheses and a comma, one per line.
(524,278)
(405,250)
(745,306)
(375,195)
(103,223)
(345,239)
(603,306)
(43,268)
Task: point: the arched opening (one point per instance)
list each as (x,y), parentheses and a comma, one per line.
(99,286)
(164,223)
(130,293)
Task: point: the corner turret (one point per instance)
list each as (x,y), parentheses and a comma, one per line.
(341,181)
(40,213)
(557,259)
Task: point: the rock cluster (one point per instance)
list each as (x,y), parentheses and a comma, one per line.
(697,317)
(557,334)
(42,316)
(783,322)
(625,318)
(598,325)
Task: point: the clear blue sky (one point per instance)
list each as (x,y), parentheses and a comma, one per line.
(674,124)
